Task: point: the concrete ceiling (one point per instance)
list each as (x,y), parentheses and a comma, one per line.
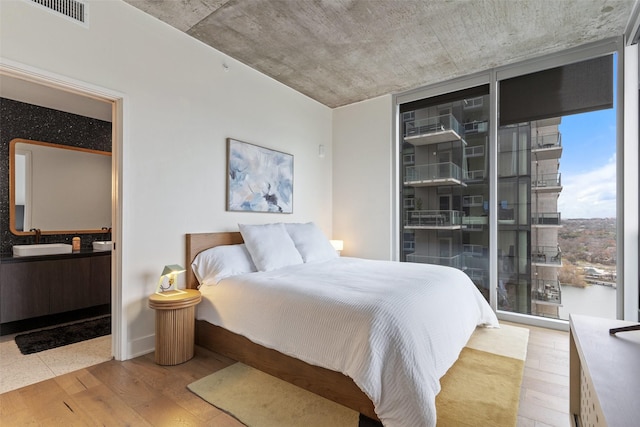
(343,51)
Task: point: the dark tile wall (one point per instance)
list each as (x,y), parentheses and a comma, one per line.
(20,120)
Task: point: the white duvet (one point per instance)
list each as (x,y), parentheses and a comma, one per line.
(394,328)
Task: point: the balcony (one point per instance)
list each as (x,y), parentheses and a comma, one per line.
(552,121)
(547,183)
(474,227)
(434,174)
(546,147)
(433,220)
(546,219)
(546,256)
(546,292)
(475,222)
(433,130)
(454,261)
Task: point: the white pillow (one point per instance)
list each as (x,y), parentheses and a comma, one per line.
(270,246)
(311,242)
(212,265)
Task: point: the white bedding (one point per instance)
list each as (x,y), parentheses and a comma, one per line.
(394,328)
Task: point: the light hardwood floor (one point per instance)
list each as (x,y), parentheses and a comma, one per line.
(544,395)
(138,392)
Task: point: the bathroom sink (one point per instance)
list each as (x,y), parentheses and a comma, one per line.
(102,246)
(41,249)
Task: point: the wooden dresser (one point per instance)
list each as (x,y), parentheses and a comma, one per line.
(604,373)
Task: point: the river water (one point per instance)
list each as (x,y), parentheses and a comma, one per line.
(594,300)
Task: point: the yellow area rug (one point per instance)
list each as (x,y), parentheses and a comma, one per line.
(481,389)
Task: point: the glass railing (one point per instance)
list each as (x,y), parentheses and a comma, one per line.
(447,170)
(546,218)
(432,218)
(547,180)
(546,255)
(548,291)
(454,261)
(551,140)
(432,125)
(475,220)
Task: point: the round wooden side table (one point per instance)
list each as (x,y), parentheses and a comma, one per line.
(175,325)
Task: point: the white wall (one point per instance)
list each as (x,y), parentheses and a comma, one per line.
(362,178)
(179,108)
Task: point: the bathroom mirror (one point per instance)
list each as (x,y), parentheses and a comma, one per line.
(58,189)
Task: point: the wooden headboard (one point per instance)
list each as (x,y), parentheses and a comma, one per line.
(198,242)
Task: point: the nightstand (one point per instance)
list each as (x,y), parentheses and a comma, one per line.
(175,326)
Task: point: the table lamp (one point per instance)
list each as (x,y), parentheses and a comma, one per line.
(170,271)
(338,245)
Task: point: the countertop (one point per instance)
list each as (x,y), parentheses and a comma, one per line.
(85,252)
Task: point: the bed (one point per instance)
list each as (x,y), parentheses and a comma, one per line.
(217,330)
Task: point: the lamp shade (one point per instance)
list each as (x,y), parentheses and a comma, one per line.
(338,245)
(173,268)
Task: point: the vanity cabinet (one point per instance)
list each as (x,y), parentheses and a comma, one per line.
(39,287)
(24,290)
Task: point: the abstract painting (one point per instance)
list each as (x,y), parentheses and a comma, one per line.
(258,179)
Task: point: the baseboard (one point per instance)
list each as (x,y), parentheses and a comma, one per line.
(141,346)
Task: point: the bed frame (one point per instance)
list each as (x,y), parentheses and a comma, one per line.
(332,385)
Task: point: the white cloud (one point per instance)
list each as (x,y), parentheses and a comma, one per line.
(591,194)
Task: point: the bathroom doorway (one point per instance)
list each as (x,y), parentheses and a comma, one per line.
(24,84)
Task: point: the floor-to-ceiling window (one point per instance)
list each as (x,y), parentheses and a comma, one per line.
(445,190)
(557,191)
(522,200)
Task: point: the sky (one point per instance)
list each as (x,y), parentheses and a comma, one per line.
(588,165)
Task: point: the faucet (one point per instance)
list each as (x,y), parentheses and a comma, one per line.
(38,233)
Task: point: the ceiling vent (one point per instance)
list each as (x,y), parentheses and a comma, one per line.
(75,10)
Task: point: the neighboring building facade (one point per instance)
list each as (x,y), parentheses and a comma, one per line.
(528,219)
(445,189)
(445,199)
